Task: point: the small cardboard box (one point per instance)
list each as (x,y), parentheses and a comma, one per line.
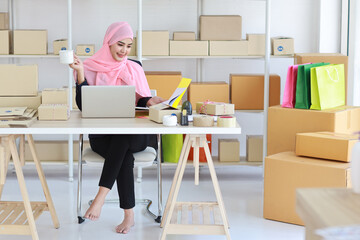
(282,46)
(55,96)
(284,123)
(215,108)
(155,43)
(256,44)
(133,48)
(18,80)
(189,48)
(326,145)
(229,150)
(184,36)
(60,44)
(156,112)
(210,91)
(247,91)
(18,101)
(4,42)
(285,172)
(30,42)
(164,83)
(54,112)
(4,21)
(85,49)
(220,27)
(254,148)
(229,48)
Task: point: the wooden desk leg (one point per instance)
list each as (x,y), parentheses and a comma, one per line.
(196,159)
(22,150)
(4,161)
(217,190)
(184,154)
(43,182)
(24,193)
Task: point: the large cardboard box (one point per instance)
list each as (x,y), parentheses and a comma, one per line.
(30,42)
(212,91)
(60,44)
(256,44)
(85,49)
(229,48)
(326,145)
(156,112)
(284,123)
(285,172)
(184,36)
(220,27)
(54,112)
(254,148)
(282,46)
(4,42)
(189,48)
(4,20)
(18,101)
(18,80)
(55,96)
(155,43)
(229,150)
(164,83)
(247,91)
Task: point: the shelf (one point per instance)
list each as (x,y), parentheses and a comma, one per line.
(216,161)
(30,56)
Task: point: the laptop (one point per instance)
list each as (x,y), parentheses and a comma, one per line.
(108,101)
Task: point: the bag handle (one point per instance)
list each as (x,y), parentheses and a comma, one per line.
(337,73)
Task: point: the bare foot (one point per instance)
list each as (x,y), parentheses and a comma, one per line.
(127,223)
(93,213)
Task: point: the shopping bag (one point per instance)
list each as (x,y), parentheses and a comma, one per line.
(290,88)
(303,97)
(327,87)
(171,147)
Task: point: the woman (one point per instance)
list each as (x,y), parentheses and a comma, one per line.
(110,66)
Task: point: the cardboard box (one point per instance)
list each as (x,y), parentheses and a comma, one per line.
(4,21)
(4,42)
(164,83)
(215,108)
(85,49)
(229,150)
(156,112)
(247,91)
(282,46)
(133,48)
(54,112)
(53,150)
(30,42)
(254,148)
(256,44)
(55,96)
(60,44)
(220,27)
(212,91)
(155,43)
(326,145)
(189,48)
(285,172)
(202,155)
(184,36)
(18,80)
(74,105)
(284,123)
(30,102)
(229,48)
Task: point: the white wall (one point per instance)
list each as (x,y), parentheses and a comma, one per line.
(294,18)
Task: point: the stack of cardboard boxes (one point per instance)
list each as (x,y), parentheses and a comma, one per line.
(4,34)
(54,105)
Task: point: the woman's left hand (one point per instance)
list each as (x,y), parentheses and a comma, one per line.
(154,100)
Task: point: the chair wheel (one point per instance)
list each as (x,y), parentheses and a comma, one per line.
(81,220)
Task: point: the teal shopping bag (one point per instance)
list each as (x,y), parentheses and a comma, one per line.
(327,87)
(303,94)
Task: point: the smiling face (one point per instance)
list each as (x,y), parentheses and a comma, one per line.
(121,49)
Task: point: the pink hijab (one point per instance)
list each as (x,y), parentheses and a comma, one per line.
(103,69)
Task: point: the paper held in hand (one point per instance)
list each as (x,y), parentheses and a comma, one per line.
(179,92)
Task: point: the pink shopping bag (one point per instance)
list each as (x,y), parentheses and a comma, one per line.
(290,87)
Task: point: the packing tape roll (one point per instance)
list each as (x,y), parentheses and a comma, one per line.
(170,120)
(66,56)
(203,121)
(226,121)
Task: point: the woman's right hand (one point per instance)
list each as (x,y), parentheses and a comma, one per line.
(78,66)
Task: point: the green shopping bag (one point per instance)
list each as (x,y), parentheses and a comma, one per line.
(303,97)
(171,147)
(327,87)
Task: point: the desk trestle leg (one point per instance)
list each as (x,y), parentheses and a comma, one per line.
(194,218)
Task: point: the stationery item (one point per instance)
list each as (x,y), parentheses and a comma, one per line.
(184,118)
(215,108)
(66,56)
(203,121)
(226,121)
(170,120)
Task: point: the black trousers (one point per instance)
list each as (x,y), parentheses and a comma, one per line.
(119,163)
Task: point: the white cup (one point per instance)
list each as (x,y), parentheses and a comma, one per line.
(66,56)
